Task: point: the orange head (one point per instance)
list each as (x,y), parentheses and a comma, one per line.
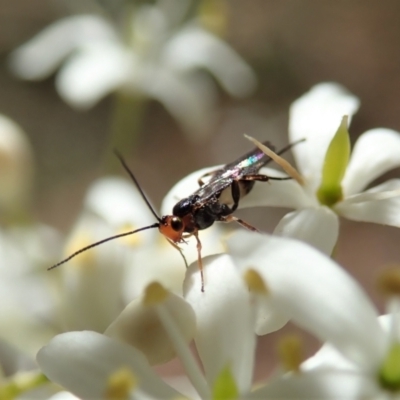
(172,228)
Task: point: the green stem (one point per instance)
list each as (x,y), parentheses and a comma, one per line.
(21,383)
(128,114)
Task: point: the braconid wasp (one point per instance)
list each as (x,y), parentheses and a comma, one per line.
(215,200)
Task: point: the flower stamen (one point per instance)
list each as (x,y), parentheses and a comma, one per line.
(255,282)
(120,384)
(285,165)
(389,282)
(155,294)
(290,350)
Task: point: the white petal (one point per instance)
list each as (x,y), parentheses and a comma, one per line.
(225,320)
(328,358)
(194,47)
(63,396)
(277,193)
(91,282)
(316,226)
(375,152)
(381,211)
(316,116)
(12,360)
(318,385)
(16,166)
(93,73)
(117,201)
(189,99)
(156,260)
(82,362)
(140,326)
(22,324)
(314,292)
(41,55)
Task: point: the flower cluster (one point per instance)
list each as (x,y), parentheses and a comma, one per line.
(254,286)
(100,325)
(157,54)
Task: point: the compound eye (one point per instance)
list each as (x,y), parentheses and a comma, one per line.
(176,224)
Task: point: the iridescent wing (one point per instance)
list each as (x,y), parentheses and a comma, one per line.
(219,180)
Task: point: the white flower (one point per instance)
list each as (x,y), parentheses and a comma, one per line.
(27,305)
(316,117)
(297,278)
(96,284)
(161,324)
(16,167)
(158,58)
(287,280)
(292,281)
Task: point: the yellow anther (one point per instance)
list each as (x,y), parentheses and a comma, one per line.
(290,350)
(389,282)
(213,15)
(154,294)
(255,282)
(120,384)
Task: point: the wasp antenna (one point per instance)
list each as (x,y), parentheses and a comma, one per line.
(137,184)
(289,146)
(156,225)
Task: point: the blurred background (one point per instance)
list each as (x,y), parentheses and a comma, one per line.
(290,44)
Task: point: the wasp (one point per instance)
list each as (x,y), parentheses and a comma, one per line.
(216,199)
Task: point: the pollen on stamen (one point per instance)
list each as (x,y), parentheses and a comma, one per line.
(120,384)
(155,293)
(290,350)
(389,282)
(255,282)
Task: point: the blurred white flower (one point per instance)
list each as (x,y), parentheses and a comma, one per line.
(96,284)
(283,279)
(292,281)
(316,117)
(157,56)
(26,247)
(300,281)
(27,307)
(377,377)
(158,326)
(16,167)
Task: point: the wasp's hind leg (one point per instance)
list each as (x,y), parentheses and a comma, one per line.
(207,174)
(230,218)
(263,178)
(199,259)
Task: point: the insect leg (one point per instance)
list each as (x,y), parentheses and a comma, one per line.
(200,261)
(230,218)
(180,251)
(200,180)
(235,192)
(262,178)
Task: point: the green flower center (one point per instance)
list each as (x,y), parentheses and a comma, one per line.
(335,164)
(389,374)
(225,387)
